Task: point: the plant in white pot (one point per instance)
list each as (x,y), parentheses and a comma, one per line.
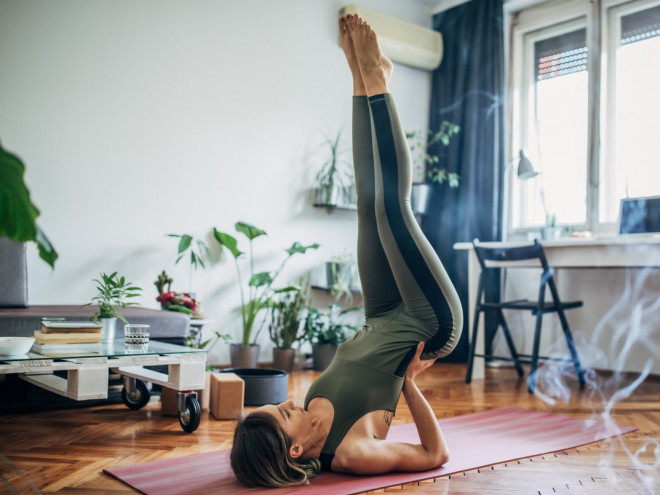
(112,293)
(325,331)
(334,180)
(286,325)
(256,289)
(427,167)
(342,277)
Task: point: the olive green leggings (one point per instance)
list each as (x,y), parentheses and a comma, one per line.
(396,262)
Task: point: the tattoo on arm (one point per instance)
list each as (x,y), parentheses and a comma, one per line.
(388,417)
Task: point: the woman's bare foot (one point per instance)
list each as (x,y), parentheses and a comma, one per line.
(375,67)
(346,44)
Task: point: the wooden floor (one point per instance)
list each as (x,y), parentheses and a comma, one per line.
(65,451)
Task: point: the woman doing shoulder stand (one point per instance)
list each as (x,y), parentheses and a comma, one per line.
(412,317)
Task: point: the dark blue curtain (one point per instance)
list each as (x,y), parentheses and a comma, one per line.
(468,90)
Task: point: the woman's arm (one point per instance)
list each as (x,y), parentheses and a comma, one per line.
(429,431)
(374,456)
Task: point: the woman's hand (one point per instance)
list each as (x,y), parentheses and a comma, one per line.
(417,365)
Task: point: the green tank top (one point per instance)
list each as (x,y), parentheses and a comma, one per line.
(362,377)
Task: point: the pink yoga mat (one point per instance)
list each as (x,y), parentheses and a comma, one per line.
(475,440)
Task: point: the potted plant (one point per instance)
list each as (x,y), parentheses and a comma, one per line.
(197,252)
(182,302)
(427,168)
(334,180)
(256,290)
(112,293)
(325,332)
(342,277)
(286,327)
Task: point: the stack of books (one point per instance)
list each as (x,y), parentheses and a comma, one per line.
(67,336)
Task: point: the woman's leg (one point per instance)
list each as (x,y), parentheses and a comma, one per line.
(421,279)
(379,288)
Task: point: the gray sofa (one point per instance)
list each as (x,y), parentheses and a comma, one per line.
(17,319)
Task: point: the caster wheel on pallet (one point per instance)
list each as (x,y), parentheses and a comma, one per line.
(189,418)
(139,398)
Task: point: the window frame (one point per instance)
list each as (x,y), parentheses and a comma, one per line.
(527,21)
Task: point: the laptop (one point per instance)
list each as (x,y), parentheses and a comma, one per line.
(639,215)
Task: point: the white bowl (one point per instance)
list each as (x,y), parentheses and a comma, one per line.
(13,346)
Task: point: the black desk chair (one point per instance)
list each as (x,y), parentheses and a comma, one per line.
(488,259)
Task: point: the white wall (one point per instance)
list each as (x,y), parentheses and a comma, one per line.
(140,118)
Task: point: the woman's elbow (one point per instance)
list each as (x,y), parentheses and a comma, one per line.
(441,459)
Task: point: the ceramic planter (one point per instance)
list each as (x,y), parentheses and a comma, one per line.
(322,355)
(244,356)
(283,359)
(327,197)
(419,198)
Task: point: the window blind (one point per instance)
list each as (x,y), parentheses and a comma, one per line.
(561,55)
(640,26)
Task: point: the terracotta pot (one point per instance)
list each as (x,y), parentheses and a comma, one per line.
(283,359)
(244,356)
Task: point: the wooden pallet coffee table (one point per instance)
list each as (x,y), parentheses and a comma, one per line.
(87,374)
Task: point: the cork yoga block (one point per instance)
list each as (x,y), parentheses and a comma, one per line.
(227,393)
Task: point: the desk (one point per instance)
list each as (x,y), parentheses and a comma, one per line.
(614,252)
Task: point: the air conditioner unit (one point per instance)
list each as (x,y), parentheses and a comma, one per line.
(401,41)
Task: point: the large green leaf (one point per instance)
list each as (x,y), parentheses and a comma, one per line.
(260,279)
(18,212)
(18,219)
(227,241)
(249,230)
(184,243)
(46,250)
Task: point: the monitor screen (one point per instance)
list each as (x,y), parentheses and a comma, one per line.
(639,215)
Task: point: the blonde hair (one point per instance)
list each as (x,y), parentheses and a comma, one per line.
(260,454)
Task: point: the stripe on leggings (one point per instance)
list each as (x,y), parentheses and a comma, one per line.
(404,240)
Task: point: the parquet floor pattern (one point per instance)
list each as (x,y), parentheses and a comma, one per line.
(65,451)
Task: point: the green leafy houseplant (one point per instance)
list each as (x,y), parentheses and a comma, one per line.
(19,215)
(342,276)
(112,292)
(335,177)
(420,143)
(287,316)
(256,295)
(327,327)
(195,341)
(195,250)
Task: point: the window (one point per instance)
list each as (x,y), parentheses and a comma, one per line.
(563,79)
